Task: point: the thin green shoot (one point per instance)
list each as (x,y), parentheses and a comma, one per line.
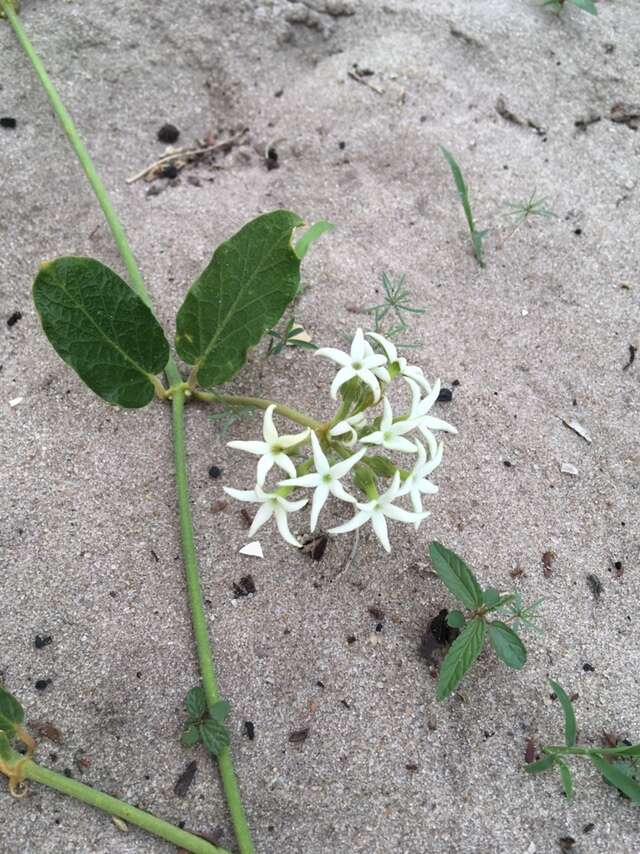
(558,5)
(477,237)
(390,317)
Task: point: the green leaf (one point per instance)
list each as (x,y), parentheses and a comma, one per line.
(491,597)
(196,703)
(311,234)
(220,710)
(214,735)
(464,651)
(587,5)
(567,780)
(10,709)
(507,645)
(541,765)
(624,750)
(618,778)
(102,328)
(380,466)
(456,575)
(570,727)
(6,753)
(241,294)
(190,736)
(455,619)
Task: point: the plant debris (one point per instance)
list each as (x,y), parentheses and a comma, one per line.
(548,559)
(14,318)
(568,468)
(595,585)
(376,613)
(316,546)
(8,122)
(219,505)
(245,587)
(42,640)
(438,636)
(299,736)
(185,780)
(583,123)
(246,517)
(250,730)
(632,356)
(529,751)
(507,115)
(47,730)
(577,428)
(360,75)
(626,114)
(566,843)
(253,549)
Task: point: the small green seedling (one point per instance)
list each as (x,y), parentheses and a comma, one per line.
(396,301)
(522,211)
(586,5)
(291,336)
(477,237)
(475,627)
(620,766)
(204,725)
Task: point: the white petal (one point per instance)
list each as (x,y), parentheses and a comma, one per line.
(343,376)
(387,418)
(340,469)
(426,487)
(292,506)
(319,459)
(285,463)
(265,464)
(355,522)
(369,378)
(432,423)
(265,512)
(388,346)
(258,448)
(253,549)
(393,490)
(382,374)
(427,402)
(291,441)
(319,498)
(373,438)
(415,373)
(336,356)
(399,443)
(308,481)
(242,494)
(283,527)
(399,514)
(380,527)
(337,489)
(357,347)
(268,430)
(416,501)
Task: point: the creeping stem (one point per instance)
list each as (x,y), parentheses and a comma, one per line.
(113,806)
(205,660)
(261,403)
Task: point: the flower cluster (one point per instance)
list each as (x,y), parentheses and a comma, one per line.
(345,445)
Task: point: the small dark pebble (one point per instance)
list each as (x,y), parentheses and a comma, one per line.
(577,231)
(185,780)
(411,766)
(41,684)
(595,585)
(272,159)
(632,357)
(169,171)
(379,627)
(455,383)
(351,639)
(342,145)
(487,734)
(42,640)
(215,472)
(320,683)
(247,517)
(619,569)
(249,730)
(299,736)
(445,395)
(154,556)
(244,587)
(507,464)
(168,134)
(566,843)
(7,122)
(588,668)
(588,827)
(279,93)
(345,704)
(68,773)
(14,318)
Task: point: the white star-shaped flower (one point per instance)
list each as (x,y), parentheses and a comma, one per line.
(391,433)
(406,371)
(420,406)
(360,363)
(416,484)
(325,480)
(272,450)
(273,504)
(375,512)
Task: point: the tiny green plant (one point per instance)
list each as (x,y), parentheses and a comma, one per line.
(533,206)
(558,5)
(390,316)
(477,237)
(619,766)
(475,627)
(205,724)
(292,335)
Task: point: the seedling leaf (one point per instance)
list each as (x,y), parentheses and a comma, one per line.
(311,234)
(196,703)
(463,192)
(491,597)
(214,735)
(567,780)
(464,651)
(569,715)
(507,645)
(626,784)
(241,294)
(190,736)
(102,328)
(11,712)
(624,750)
(587,5)
(220,710)
(6,753)
(455,619)
(456,575)
(540,765)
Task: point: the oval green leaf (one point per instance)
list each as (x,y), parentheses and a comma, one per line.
(456,575)
(242,293)
(102,328)
(455,619)
(196,703)
(11,712)
(464,651)
(491,597)
(311,234)
(570,727)
(540,765)
(567,779)
(507,645)
(214,736)
(618,778)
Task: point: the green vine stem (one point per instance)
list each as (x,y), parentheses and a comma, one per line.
(261,403)
(230,786)
(113,806)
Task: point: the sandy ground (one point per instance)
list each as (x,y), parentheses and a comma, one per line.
(90,550)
